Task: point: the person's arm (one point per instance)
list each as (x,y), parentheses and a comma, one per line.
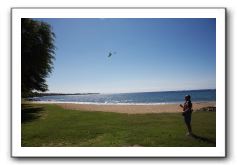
(191,106)
(181,106)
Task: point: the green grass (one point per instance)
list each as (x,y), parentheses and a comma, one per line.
(49,125)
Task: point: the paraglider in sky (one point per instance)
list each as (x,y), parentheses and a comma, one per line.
(110,54)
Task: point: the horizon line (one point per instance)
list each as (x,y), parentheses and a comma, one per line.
(125,92)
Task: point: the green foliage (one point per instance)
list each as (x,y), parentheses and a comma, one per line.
(50,125)
(37,54)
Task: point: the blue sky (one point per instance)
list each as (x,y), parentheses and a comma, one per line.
(151,55)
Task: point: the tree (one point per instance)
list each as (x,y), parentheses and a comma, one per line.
(37,55)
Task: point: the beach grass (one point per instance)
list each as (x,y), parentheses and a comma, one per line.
(48,125)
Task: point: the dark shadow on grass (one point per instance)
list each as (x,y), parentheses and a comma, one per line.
(30,113)
(204,139)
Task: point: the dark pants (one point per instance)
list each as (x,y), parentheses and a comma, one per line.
(187,118)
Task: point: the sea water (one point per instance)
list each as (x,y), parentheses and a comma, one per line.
(167,97)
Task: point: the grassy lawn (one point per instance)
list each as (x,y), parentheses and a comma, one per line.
(50,125)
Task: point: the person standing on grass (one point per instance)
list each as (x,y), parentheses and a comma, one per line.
(187,113)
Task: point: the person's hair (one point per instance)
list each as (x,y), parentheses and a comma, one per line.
(188,97)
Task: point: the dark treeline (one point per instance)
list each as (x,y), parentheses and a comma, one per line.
(37,55)
(36,94)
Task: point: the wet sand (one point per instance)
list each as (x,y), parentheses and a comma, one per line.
(133,109)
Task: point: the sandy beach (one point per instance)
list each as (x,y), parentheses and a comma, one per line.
(133,109)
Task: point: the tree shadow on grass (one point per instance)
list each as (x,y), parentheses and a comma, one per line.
(30,113)
(204,139)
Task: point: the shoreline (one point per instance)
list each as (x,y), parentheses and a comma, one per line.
(108,103)
(131,108)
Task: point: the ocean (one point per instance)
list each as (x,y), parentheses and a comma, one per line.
(168,97)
